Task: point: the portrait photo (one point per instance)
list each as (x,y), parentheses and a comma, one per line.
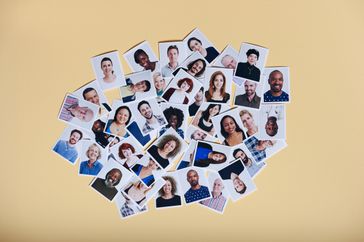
(229,128)
(237,180)
(126,207)
(108,70)
(249,94)
(99,135)
(249,118)
(141,58)
(93,93)
(138,86)
(118,118)
(171,55)
(170,195)
(110,179)
(176,116)
(78,112)
(276,85)
(193,134)
(196,41)
(251,62)
(194,184)
(195,65)
(272,122)
(187,158)
(219,194)
(147,170)
(92,158)
(167,148)
(218,85)
(264,149)
(160,83)
(228,58)
(182,89)
(241,152)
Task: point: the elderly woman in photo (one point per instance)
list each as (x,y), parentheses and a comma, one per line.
(127,153)
(146,172)
(216,91)
(174,118)
(248,122)
(159,83)
(121,119)
(232,133)
(137,191)
(168,196)
(179,95)
(91,166)
(209,53)
(107,69)
(166,149)
(203,118)
(142,58)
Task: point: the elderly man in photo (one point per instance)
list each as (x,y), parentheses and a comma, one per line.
(107,186)
(276,94)
(152,122)
(171,66)
(217,201)
(249,98)
(228,62)
(67,148)
(71,110)
(196,191)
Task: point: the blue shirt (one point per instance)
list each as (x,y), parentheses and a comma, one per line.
(202,153)
(147,180)
(194,195)
(93,170)
(268,97)
(64,149)
(137,133)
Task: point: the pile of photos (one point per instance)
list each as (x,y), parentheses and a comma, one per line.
(194,126)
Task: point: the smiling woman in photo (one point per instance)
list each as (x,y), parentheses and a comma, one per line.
(91,166)
(118,123)
(167,148)
(217,86)
(179,95)
(203,118)
(108,71)
(168,196)
(209,53)
(232,133)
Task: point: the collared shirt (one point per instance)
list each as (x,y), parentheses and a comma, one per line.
(65,112)
(243,100)
(268,97)
(167,70)
(126,210)
(149,127)
(252,144)
(194,195)
(92,169)
(66,150)
(216,203)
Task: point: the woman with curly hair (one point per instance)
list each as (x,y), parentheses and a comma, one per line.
(179,95)
(174,118)
(168,196)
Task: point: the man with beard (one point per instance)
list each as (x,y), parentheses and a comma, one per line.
(252,167)
(197,191)
(67,148)
(107,186)
(152,122)
(276,94)
(249,98)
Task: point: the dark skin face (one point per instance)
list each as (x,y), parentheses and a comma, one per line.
(172,121)
(144,61)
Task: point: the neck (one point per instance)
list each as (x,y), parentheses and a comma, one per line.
(250,97)
(196,187)
(151,120)
(173,65)
(168,196)
(276,94)
(216,194)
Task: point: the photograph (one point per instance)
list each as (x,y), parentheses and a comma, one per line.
(272,122)
(166,149)
(195,65)
(108,70)
(160,83)
(197,102)
(229,127)
(118,119)
(218,85)
(187,158)
(193,134)
(182,89)
(176,116)
(249,118)
(170,194)
(196,41)
(93,93)
(228,58)
(237,180)
(147,170)
(242,153)
(92,158)
(171,55)
(211,156)
(194,184)
(276,85)
(126,207)
(141,58)
(251,62)
(100,137)
(264,149)
(249,94)
(219,195)
(78,112)
(110,179)
(138,86)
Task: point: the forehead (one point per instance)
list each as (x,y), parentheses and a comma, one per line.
(192,173)
(145,105)
(276,74)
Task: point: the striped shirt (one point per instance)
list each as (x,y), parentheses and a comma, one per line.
(216,203)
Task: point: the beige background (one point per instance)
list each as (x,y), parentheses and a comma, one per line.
(311,191)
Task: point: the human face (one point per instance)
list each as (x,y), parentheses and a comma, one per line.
(270,127)
(146,111)
(267,143)
(199,96)
(218,82)
(172,55)
(167,188)
(141,86)
(195,46)
(152,165)
(229,62)
(252,59)
(114,142)
(199,135)
(112,178)
(127,153)
(82,113)
(218,186)
(196,67)
(218,156)
(93,97)
(238,184)
(229,125)
(240,154)
(122,116)
(97,126)
(106,67)
(143,60)
(172,121)
(247,120)
(192,178)
(93,153)
(250,88)
(74,138)
(276,82)
(159,83)
(169,146)
(184,86)
(215,110)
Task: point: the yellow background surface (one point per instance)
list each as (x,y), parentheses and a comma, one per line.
(311,191)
